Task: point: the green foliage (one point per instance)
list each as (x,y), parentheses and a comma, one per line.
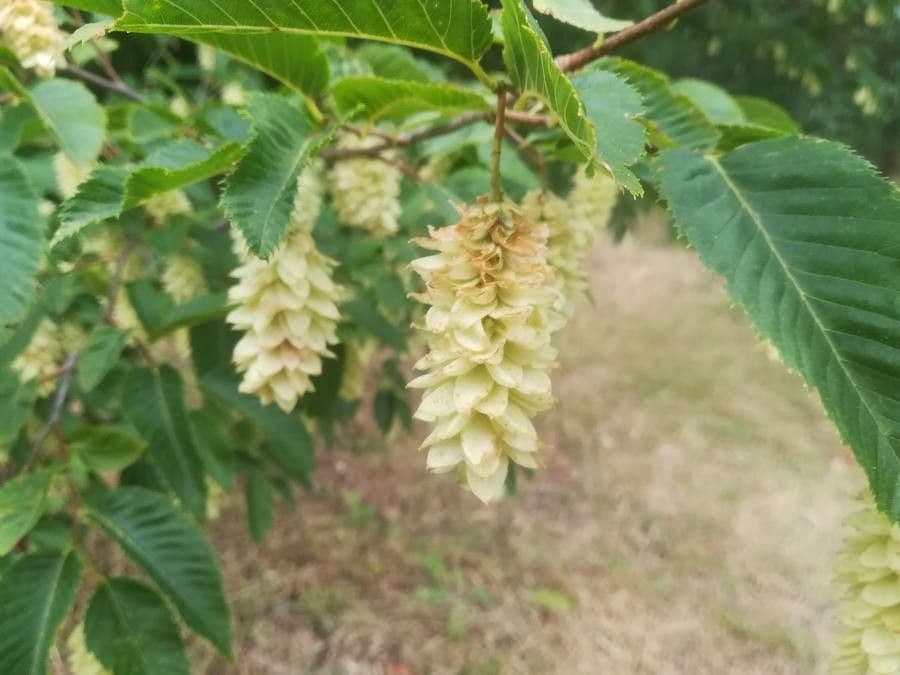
(36,593)
(123,416)
(814,266)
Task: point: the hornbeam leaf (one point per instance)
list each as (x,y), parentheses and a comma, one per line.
(22,502)
(130,629)
(531,67)
(379,98)
(36,593)
(160,538)
(21,239)
(581,14)
(717,103)
(259,194)
(459,29)
(72,114)
(807,236)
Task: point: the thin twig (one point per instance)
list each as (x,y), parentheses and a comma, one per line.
(59,403)
(530,153)
(652,24)
(496,150)
(118,87)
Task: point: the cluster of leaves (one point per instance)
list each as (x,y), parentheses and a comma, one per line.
(130,445)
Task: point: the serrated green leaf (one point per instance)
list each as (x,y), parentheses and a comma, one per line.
(99,355)
(21,239)
(16,399)
(154,404)
(172,550)
(459,29)
(397,63)
(196,311)
(105,448)
(764,113)
(131,631)
(717,103)
(385,99)
(806,234)
(581,14)
(214,444)
(110,190)
(259,194)
(674,116)
(72,114)
(36,593)
(22,503)
(530,64)
(288,445)
(260,506)
(613,106)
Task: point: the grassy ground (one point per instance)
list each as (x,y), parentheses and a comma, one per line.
(685,522)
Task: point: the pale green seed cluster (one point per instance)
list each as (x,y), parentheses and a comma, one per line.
(41,359)
(286,308)
(868,574)
(30,32)
(365,192)
(183,278)
(488,288)
(163,206)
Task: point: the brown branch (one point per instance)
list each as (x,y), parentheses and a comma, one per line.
(652,24)
(92,78)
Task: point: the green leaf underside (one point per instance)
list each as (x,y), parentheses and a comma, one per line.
(111,190)
(259,194)
(717,103)
(22,503)
(16,400)
(764,113)
(459,29)
(674,116)
(21,240)
(808,238)
(613,106)
(36,593)
(289,444)
(581,14)
(380,98)
(104,448)
(260,509)
(156,535)
(154,404)
(73,115)
(130,630)
(530,64)
(99,355)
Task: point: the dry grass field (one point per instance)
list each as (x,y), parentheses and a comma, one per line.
(685,523)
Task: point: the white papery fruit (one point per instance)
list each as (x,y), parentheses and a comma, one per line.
(566,252)
(489,289)
(41,358)
(357,356)
(286,306)
(591,200)
(69,175)
(81,660)
(163,206)
(868,575)
(30,31)
(183,278)
(365,192)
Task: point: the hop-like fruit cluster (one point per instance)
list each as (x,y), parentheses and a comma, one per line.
(234,94)
(81,660)
(30,31)
(357,356)
(69,175)
(488,288)
(183,278)
(868,573)
(364,191)
(286,306)
(565,253)
(591,201)
(41,358)
(163,206)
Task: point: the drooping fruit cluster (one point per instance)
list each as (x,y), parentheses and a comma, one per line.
(868,573)
(30,31)
(286,307)
(41,359)
(365,191)
(591,201)
(183,278)
(488,291)
(163,206)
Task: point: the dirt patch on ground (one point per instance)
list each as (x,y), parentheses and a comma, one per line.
(685,523)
